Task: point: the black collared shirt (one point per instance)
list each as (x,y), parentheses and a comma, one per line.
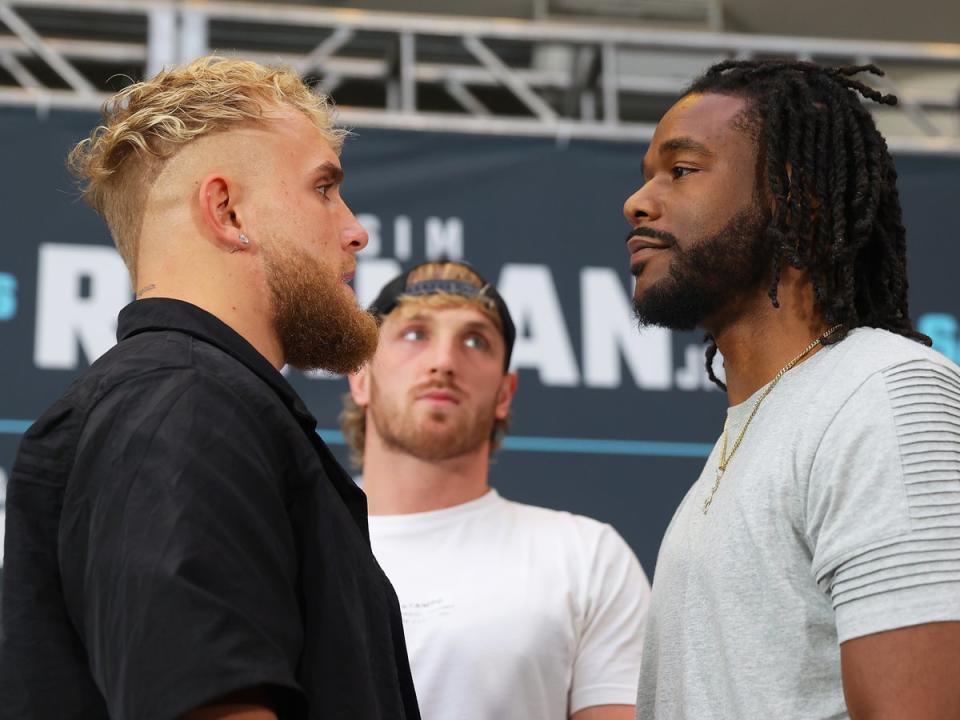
(176,531)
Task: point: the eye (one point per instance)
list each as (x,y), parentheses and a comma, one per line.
(413,335)
(681,171)
(323,190)
(476,341)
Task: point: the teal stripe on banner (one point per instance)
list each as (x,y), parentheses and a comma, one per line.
(591,446)
(14,427)
(521,443)
(596,446)
(331,437)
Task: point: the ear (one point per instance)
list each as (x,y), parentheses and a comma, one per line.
(359,386)
(217,197)
(508,387)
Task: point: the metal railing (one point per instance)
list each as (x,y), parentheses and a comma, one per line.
(421,72)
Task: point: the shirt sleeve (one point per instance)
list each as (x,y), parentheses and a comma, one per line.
(178,559)
(883,508)
(607,662)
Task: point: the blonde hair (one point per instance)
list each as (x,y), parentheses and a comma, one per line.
(353,418)
(147,122)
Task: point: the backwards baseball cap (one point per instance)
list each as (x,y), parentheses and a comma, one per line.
(400,287)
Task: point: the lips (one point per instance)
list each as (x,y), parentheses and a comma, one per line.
(637,243)
(347,277)
(641,250)
(439,395)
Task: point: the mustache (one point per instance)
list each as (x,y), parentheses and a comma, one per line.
(649,232)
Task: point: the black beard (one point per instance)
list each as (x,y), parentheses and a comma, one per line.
(709,275)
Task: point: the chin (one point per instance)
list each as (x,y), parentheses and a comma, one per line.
(663,311)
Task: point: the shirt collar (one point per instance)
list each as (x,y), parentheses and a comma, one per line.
(165,314)
(158,314)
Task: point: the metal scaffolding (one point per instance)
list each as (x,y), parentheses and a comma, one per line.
(419,72)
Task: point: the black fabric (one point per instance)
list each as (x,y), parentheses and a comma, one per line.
(176,531)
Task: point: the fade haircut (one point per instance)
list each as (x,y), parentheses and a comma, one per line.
(147,122)
(833,184)
(353,418)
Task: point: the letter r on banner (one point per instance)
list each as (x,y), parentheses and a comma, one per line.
(80,290)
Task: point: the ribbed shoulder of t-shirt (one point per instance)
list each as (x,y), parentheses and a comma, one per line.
(921,568)
(925,402)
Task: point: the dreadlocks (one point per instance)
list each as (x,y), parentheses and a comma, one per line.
(836,207)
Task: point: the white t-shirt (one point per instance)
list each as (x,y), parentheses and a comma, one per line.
(514,611)
(838,517)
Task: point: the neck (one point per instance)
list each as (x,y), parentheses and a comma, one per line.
(237,294)
(397,483)
(759,341)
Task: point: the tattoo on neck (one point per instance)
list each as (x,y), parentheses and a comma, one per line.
(146,289)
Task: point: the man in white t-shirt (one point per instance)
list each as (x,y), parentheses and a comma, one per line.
(813,570)
(509,610)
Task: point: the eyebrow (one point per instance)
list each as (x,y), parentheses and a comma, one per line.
(472,325)
(485,325)
(416,317)
(334,172)
(683,143)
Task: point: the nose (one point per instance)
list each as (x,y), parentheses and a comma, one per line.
(443,357)
(353,236)
(643,205)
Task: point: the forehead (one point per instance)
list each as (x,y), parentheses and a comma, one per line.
(709,119)
(295,137)
(456,314)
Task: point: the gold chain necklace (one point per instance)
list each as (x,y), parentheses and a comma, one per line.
(724,458)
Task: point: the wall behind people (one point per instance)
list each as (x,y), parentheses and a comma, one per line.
(608,422)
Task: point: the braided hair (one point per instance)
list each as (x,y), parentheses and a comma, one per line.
(836,207)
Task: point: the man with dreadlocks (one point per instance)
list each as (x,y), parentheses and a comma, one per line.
(813,570)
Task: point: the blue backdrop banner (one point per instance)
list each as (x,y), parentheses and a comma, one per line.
(608,421)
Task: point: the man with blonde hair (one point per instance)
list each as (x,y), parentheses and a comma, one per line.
(180,542)
(510,611)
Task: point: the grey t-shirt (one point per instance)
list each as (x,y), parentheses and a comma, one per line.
(839,516)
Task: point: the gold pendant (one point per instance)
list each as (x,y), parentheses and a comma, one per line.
(716,486)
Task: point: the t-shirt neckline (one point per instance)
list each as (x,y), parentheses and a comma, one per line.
(434,518)
(736,414)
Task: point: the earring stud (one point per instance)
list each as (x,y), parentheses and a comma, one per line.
(244,239)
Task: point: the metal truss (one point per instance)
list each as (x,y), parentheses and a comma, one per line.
(419,72)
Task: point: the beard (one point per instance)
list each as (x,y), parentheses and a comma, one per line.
(319,325)
(709,275)
(441,435)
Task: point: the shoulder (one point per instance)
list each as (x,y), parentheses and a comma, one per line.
(548,519)
(131,374)
(174,355)
(866,352)
(158,386)
(885,458)
(574,533)
(589,558)
(161,370)
(871,371)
